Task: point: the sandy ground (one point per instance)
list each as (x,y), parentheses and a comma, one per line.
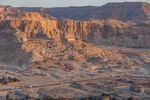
(108,77)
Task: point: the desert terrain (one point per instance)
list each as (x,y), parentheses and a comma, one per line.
(99,56)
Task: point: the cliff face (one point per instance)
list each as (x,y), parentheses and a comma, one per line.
(25,39)
(146,8)
(29,26)
(30,37)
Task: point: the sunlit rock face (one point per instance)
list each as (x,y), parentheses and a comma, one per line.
(98,31)
(25,31)
(28,26)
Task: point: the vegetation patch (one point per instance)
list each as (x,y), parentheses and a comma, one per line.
(6,80)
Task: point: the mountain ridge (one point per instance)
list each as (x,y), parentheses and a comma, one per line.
(31,29)
(110,31)
(124,11)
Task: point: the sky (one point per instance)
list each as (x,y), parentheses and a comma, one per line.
(60,3)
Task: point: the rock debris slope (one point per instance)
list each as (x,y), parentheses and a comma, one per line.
(30,32)
(29,37)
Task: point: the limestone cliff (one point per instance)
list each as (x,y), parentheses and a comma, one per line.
(28,26)
(28,37)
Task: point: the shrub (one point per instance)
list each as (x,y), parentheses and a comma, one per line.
(71,57)
(48,98)
(131,98)
(105,94)
(6,80)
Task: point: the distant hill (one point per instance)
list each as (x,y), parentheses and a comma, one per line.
(125,11)
(8,10)
(64,12)
(122,11)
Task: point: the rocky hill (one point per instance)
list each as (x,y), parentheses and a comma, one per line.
(38,51)
(28,25)
(8,10)
(126,11)
(110,32)
(62,12)
(31,38)
(25,31)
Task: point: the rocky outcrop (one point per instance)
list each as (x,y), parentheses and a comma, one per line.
(111,32)
(28,26)
(8,10)
(25,37)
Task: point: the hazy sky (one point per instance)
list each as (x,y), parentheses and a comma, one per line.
(59,3)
